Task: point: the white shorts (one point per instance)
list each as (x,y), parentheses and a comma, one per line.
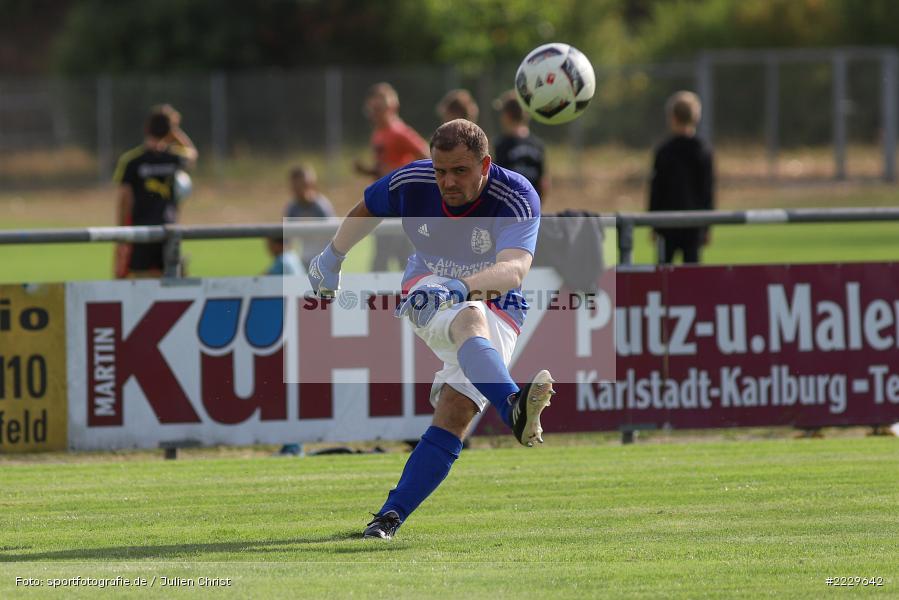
(436,335)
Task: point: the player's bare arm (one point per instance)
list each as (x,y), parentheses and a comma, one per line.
(364,169)
(124,203)
(177,138)
(185,146)
(508,273)
(324,269)
(358,223)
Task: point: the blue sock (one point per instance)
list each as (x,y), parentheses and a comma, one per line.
(483,366)
(427,467)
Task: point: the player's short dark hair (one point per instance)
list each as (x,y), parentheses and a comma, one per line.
(509,105)
(684,107)
(159,124)
(460,132)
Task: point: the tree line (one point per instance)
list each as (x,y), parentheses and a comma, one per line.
(73,37)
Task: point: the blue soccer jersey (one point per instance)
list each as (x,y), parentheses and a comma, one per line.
(460,241)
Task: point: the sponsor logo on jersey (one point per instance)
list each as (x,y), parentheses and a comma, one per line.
(450,268)
(156,170)
(481,242)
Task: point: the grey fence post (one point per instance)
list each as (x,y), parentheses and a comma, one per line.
(172,254)
(625,229)
(772,111)
(62,129)
(888,110)
(104,128)
(450,77)
(333,120)
(218,111)
(705,88)
(839,113)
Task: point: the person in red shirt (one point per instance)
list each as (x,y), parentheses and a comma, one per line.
(394,145)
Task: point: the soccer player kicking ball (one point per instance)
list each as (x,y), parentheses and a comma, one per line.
(474,228)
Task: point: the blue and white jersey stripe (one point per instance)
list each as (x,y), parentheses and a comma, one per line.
(513,196)
(412,174)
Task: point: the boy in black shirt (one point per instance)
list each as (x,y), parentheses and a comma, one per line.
(682,179)
(518,150)
(146,193)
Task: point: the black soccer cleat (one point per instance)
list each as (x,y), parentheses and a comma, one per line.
(383,526)
(528,404)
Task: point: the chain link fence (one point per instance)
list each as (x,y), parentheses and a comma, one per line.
(767,100)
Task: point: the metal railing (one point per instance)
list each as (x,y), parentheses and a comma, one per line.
(624,223)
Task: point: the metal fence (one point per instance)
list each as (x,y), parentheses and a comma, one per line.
(767,99)
(623,223)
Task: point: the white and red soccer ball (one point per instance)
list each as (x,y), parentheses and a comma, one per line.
(555,83)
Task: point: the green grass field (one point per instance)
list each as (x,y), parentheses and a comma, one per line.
(730,245)
(87,262)
(684,520)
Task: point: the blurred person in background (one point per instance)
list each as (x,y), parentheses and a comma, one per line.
(394,144)
(148,190)
(306,204)
(458,104)
(517,149)
(682,179)
(285,261)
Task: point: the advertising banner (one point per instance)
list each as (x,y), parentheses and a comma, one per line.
(199,361)
(803,345)
(247,360)
(256,360)
(33,409)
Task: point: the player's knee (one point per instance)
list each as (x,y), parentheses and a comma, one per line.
(470,322)
(455,412)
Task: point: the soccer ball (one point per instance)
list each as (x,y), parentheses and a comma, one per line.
(183,186)
(554,83)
